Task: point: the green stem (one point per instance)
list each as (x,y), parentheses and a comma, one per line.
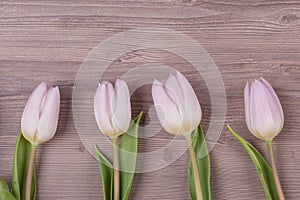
(274,170)
(116,169)
(29,172)
(194,168)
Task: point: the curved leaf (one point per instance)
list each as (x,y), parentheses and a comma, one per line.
(107,175)
(128,153)
(21,160)
(203,163)
(6,195)
(262,167)
(4,191)
(3,185)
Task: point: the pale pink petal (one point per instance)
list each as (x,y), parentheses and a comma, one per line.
(275,107)
(252,113)
(174,90)
(266,114)
(166,110)
(274,95)
(31,113)
(193,113)
(97,109)
(102,109)
(111,98)
(247,105)
(49,116)
(122,113)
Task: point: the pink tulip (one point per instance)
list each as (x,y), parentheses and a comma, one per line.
(264,114)
(40,116)
(176,104)
(112,108)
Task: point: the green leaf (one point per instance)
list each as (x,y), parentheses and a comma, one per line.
(262,167)
(21,160)
(203,164)
(6,195)
(3,185)
(4,191)
(107,175)
(128,154)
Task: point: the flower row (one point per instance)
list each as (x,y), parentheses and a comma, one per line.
(178,111)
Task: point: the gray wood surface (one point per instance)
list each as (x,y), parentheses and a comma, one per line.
(48,40)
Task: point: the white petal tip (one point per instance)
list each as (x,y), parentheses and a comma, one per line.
(247,84)
(119,81)
(104,82)
(43,85)
(157,82)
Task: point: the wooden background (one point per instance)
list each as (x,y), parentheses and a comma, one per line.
(48,40)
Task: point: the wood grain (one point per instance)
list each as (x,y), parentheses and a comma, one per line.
(48,40)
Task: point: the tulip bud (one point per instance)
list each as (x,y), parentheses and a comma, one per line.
(176,105)
(40,116)
(112,108)
(263,111)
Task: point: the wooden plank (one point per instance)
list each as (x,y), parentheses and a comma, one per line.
(48,40)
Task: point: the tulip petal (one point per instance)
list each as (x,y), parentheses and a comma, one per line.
(247,105)
(191,104)
(49,116)
(122,113)
(251,125)
(31,113)
(266,112)
(166,109)
(174,90)
(111,98)
(273,93)
(275,106)
(102,108)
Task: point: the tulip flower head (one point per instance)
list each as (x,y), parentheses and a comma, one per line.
(112,108)
(40,116)
(263,111)
(176,104)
